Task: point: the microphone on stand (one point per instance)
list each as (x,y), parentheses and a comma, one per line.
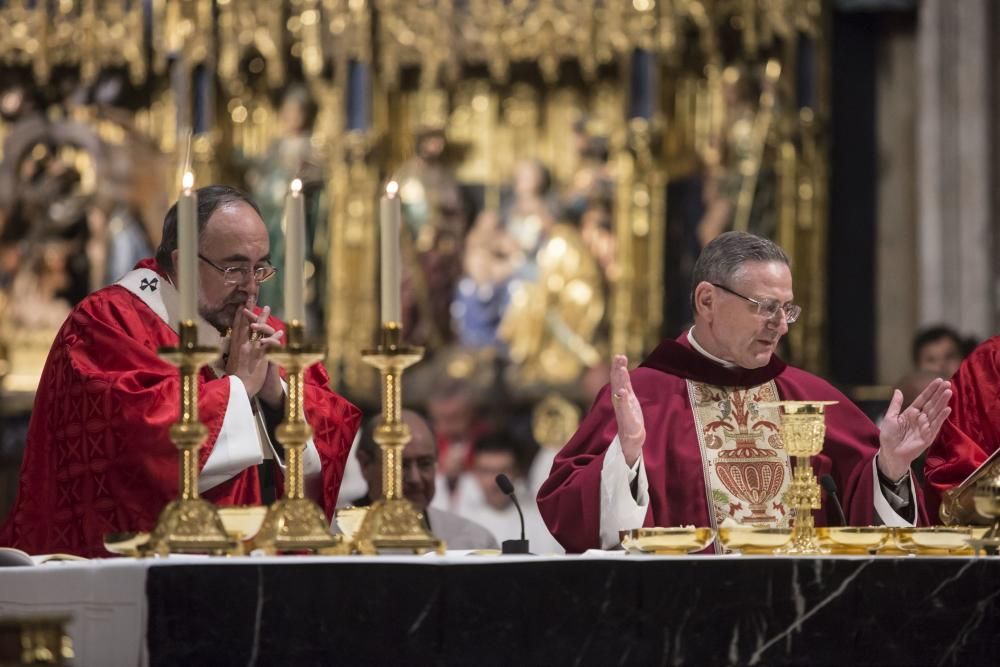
(831,490)
(512,546)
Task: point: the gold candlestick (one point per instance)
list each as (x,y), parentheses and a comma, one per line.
(393,523)
(803,428)
(189,524)
(295,523)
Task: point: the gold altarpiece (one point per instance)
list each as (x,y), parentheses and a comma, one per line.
(709,90)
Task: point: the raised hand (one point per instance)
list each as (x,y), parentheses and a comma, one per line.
(249,341)
(271,391)
(905,435)
(628,412)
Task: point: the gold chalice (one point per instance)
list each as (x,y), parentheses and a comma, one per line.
(803,428)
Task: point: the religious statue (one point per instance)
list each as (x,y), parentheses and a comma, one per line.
(72,205)
(500,251)
(433,240)
(551,321)
(740,189)
(588,199)
(292,155)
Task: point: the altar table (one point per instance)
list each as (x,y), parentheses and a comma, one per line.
(475,610)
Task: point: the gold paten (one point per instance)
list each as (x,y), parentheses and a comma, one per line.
(393,523)
(754,539)
(667,541)
(854,540)
(295,523)
(131,544)
(189,524)
(243,522)
(934,540)
(803,428)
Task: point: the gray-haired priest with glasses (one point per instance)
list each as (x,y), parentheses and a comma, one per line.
(99,458)
(688,438)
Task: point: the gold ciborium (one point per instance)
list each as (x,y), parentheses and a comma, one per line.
(987,501)
(803,428)
(189,524)
(393,523)
(295,523)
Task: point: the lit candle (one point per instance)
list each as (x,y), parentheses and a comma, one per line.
(187,248)
(390,215)
(295,254)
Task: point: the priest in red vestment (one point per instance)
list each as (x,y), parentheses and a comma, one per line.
(972,433)
(99,458)
(688,437)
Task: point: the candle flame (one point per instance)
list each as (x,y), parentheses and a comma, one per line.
(391,188)
(296,186)
(188,181)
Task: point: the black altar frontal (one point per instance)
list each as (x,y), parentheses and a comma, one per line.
(461,610)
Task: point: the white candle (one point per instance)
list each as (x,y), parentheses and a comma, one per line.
(390,261)
(187,248)
(295,254)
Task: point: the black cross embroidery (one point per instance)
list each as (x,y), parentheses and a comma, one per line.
(151,284)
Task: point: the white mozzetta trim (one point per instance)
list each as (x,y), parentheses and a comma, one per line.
(161,296)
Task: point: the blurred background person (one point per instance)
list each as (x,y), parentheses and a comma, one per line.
(479,499)
(419,472)
(938,349)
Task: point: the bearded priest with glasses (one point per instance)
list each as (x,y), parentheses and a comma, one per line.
(99,458)
(686,438)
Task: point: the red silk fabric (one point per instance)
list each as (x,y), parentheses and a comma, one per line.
(99,458)
(972,431)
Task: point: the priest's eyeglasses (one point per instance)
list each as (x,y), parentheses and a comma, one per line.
(768,308)
(237,275)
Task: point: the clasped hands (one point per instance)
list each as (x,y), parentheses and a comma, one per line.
(904,434)
(249,341)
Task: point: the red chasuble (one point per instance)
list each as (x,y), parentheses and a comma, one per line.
(684,449)
(972,431)
(99,458)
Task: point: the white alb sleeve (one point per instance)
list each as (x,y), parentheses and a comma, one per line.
(237,447)
(619,509)
(883,506)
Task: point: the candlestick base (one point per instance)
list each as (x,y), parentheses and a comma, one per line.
(190,526)
(298,525)
(395,525)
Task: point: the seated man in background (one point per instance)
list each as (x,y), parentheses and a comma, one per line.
(419,470)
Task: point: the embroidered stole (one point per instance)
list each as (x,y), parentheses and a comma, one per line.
(744,460)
